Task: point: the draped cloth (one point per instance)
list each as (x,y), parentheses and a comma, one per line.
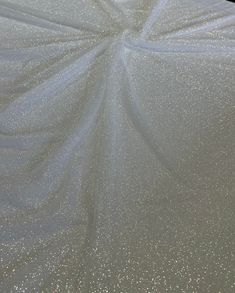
(117,136)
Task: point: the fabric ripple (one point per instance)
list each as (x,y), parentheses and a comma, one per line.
(117,146)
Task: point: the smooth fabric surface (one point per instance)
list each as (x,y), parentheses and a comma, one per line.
(117,136)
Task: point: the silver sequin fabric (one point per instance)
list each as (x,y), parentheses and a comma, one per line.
(117,146)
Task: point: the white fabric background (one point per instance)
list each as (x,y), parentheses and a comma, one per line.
(117,145)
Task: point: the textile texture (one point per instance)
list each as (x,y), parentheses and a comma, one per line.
(117,146)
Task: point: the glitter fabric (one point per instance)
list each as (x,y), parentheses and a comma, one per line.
(117,146)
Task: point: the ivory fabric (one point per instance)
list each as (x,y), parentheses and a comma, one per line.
(117,146)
